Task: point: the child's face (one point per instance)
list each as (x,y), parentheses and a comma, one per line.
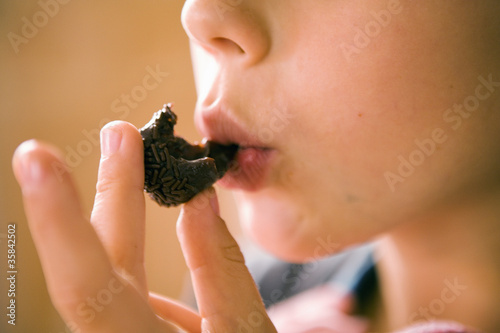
(359,105)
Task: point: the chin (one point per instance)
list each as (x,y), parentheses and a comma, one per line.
(281,228)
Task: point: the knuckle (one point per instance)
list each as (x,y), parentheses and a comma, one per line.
(232,253)
(106,184)
(234,261)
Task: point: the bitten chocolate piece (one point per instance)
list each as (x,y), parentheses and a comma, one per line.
(175,171)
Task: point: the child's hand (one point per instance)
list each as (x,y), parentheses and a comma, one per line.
(95,271)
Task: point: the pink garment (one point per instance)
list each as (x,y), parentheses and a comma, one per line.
(437,327)
(326,309)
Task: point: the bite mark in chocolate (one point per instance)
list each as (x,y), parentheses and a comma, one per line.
(175,171)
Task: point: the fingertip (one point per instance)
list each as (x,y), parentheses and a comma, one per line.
(33,161)
(111,139)
(198,213)
(127,129)
(20,159)
(122,156)
(205,202)
(124,139)
(199,227)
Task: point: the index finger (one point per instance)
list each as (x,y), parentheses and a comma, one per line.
(118,215)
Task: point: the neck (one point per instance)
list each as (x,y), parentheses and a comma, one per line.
(446,267)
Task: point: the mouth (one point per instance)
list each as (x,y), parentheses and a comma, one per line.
(250,170)
(253,162)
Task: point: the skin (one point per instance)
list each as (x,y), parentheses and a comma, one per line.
(106,257)
(356,112)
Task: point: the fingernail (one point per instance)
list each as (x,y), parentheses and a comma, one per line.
(111,138)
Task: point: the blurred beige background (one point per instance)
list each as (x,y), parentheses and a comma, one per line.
(65,70)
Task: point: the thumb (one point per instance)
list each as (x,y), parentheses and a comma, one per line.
(226,293)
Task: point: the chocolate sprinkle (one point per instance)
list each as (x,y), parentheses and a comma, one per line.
(175,171)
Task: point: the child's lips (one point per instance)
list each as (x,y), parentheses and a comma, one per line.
(252,163)
(250,169)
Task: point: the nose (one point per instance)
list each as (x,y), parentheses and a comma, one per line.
(232,29)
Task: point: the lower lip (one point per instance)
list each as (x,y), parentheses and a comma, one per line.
(250,171)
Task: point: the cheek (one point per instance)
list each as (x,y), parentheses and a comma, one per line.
(301,227)
(371,125)
(374,148)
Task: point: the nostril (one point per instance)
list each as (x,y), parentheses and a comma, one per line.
(243,33)
(227,45)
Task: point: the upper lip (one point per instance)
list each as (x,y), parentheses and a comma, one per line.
(218,125)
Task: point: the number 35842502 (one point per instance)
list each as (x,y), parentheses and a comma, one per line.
(11,245)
